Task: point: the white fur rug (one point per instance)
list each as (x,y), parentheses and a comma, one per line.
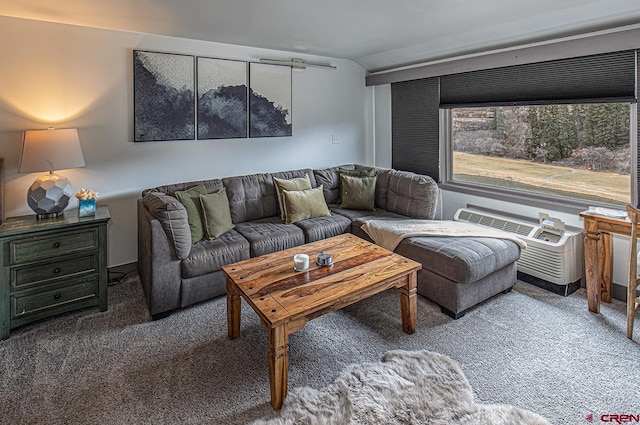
(406,387)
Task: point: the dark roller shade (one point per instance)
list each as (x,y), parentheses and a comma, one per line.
(603,77)
(415,126)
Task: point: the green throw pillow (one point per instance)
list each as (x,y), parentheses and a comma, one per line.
(364,172)
(299,183)
(216,214)
(191,201)
(358,193)
(302,204)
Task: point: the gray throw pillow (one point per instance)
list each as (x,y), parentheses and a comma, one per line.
(191,201)
(303,204)
(216,214)
(299,183)
(358,193)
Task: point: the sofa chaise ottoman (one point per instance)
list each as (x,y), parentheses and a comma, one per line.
(460,272)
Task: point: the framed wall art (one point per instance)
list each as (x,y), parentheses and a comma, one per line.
(269,100)
(164,87)
(222,98)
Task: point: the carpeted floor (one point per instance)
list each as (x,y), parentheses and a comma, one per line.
(529,348)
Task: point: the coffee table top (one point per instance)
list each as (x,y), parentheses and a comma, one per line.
(279,293)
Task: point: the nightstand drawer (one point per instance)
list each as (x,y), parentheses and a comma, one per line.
(34,303)
(24,250)
(44,273)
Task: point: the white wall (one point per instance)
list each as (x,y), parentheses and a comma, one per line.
(452,201)
(70,76)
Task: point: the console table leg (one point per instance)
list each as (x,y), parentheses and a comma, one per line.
(278,364)
(233,310)
(591,260)
(605,266)
(408,303)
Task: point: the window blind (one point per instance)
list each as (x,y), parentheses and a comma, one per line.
(415,126)
(604,77)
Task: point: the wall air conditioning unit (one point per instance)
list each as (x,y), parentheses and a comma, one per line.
(553,258)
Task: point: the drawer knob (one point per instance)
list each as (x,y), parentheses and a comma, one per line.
(56,245)
(56,297)
(56,270)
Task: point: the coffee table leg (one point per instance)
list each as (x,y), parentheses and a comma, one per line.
(408,303)
(278,364)
(233,310)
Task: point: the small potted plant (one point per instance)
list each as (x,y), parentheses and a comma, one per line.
(86,202)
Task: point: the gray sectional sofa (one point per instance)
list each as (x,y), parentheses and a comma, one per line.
(457,272)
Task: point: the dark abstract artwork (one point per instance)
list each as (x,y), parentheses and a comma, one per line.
(222,98)
(269,100)
(164,87)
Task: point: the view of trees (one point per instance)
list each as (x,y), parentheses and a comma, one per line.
(589,136)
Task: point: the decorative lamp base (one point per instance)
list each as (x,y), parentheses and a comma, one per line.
(49,195)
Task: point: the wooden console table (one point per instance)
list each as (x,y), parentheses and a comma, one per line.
(598,255)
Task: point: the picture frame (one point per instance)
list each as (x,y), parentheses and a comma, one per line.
(222,98)
(270,100)
(164,88)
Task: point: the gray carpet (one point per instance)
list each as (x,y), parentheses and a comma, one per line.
(529,348)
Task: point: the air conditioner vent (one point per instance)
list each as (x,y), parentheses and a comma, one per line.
(496,223)
(558,262)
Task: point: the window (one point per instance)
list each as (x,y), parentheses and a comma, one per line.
(577,151)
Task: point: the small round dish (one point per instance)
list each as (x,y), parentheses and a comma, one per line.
(325,265)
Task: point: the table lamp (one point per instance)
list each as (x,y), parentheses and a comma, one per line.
(49,150)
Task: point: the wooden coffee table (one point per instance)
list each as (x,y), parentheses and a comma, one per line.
(286,299)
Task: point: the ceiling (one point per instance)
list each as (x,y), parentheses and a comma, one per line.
(377,34)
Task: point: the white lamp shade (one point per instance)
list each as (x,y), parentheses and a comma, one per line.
(50,150)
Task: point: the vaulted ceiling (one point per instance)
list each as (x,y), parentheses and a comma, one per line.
(377,34)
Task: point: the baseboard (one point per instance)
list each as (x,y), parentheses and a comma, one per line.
(117,274)
(618,292)
(564,290)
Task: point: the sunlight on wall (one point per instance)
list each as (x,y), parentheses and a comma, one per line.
(51,96)
(55,76)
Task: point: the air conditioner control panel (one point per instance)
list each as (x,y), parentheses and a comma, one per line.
(544,236)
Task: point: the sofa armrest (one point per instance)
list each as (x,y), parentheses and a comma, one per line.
(172,216)
(158,266)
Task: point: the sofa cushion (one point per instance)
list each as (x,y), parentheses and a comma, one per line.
(460,259)
(358,193)
(303,204)
(329,178)
(173,218)
(319,228)
(212,185)
(298,183)
(253,197)
(269,235)
(412,194)
(216,214)
(208,256)
(382,187)
(191,201)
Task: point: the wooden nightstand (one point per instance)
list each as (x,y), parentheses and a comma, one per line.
(51,266)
